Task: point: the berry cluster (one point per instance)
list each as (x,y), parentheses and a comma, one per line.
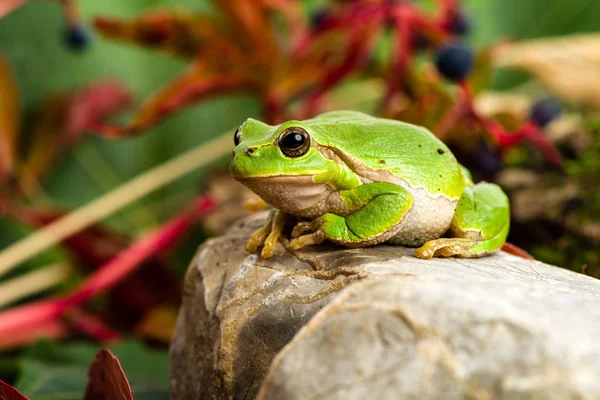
(441,34)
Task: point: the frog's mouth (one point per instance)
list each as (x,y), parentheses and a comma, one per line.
(297,195)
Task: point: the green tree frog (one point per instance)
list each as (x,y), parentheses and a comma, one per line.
(358,180)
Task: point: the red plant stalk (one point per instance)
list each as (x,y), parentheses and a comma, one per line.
(6,6)
(91,326)
(193,91)
(504,139)
(89,106)
(24,318)
(53,329)
(405,26)
(348,16)
(534,133)
(516,251)
(358,50)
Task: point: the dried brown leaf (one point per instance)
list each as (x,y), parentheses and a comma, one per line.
(569,66)
(107,381)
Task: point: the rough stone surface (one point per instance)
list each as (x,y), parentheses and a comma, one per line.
(329,323)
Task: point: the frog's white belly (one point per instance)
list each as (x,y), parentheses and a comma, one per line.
(428,218)
(298,196)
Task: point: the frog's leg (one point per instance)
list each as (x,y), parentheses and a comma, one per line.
(267,236)
(479,226)
(376,208)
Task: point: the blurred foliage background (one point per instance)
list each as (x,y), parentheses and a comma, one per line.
(30,38)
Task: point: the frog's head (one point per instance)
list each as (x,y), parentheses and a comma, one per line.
(263,151)
(279,163)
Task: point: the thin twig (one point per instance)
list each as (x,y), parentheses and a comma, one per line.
(113,201)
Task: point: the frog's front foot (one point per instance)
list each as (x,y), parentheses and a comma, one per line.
(301,239)
(267,236)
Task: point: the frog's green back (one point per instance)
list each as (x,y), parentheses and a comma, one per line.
(408,151)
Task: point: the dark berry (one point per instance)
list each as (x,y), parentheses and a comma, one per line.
(460,24)
(76,37)
(544,111)
(320,18)
(487,159)
(454,61)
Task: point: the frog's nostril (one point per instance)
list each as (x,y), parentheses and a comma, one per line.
(250,150)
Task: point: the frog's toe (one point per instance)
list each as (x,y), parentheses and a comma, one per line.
(257,239)
(445,248)
(267,236)
(305,226)
(270,243)
(317,237)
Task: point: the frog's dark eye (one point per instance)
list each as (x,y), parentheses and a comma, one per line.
(294,141)
(237,137)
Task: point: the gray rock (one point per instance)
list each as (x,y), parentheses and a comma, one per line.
(331,323)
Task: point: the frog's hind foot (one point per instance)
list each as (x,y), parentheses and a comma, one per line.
(267,236)
(305,226)
(479,226)
(317,237)
(446,248)
(302,239)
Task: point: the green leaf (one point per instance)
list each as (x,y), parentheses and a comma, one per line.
(53,371)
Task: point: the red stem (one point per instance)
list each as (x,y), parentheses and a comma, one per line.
(29,316)
(91,326)
(404,20)
(358,49)
(6,6)
(504,139)
(516,251)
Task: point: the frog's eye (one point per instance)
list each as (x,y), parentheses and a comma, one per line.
(294,141)
(237,137)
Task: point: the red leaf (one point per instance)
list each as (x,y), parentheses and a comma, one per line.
(146,289)
(8,392)
(28,316)
(6,6)
(24,337)
(195,84)
(90,105)
(107,381)
(65,118)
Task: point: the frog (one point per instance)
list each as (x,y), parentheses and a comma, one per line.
(358,180)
